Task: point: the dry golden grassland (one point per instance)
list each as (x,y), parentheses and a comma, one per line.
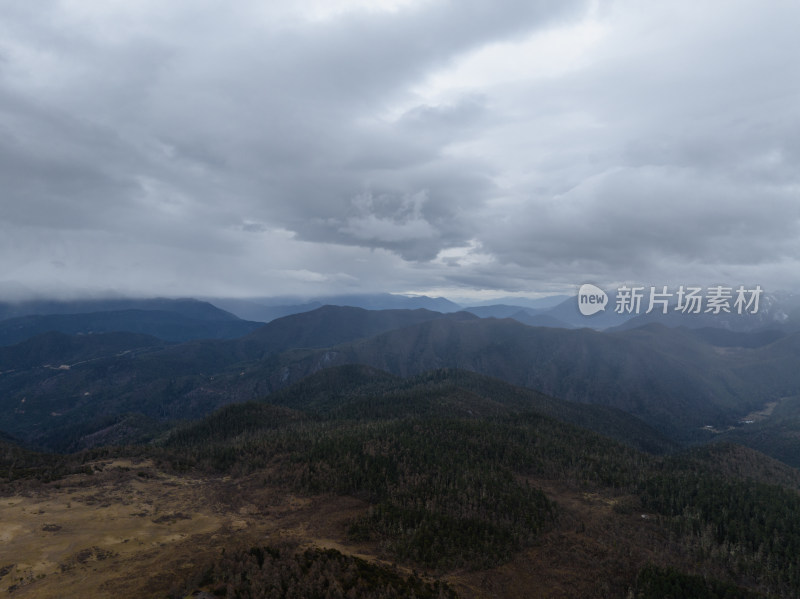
(134,530)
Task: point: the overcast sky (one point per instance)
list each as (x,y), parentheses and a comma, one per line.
(461,148)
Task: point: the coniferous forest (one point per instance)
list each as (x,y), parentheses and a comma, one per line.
(456,478)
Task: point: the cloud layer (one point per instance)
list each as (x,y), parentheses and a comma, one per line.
(199,147)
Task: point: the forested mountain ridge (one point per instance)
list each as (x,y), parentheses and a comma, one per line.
(188,307)
(332,325)
(419,457)
(64,380)
(673,379)
(165,325)
(467,489)
(476,483)
(668,377)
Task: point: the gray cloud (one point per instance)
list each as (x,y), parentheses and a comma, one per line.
(196,147)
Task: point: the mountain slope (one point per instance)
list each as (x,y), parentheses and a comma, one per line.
(332,325)
(109,375)
(667,377)
(539,320)
(672,379)
(188,307)
(357,391)
(448,473)
(268,309)
(166,325)
(55,349)
(468,491)
(494,310)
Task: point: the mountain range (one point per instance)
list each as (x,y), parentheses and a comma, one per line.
(483,456)
(688,384)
